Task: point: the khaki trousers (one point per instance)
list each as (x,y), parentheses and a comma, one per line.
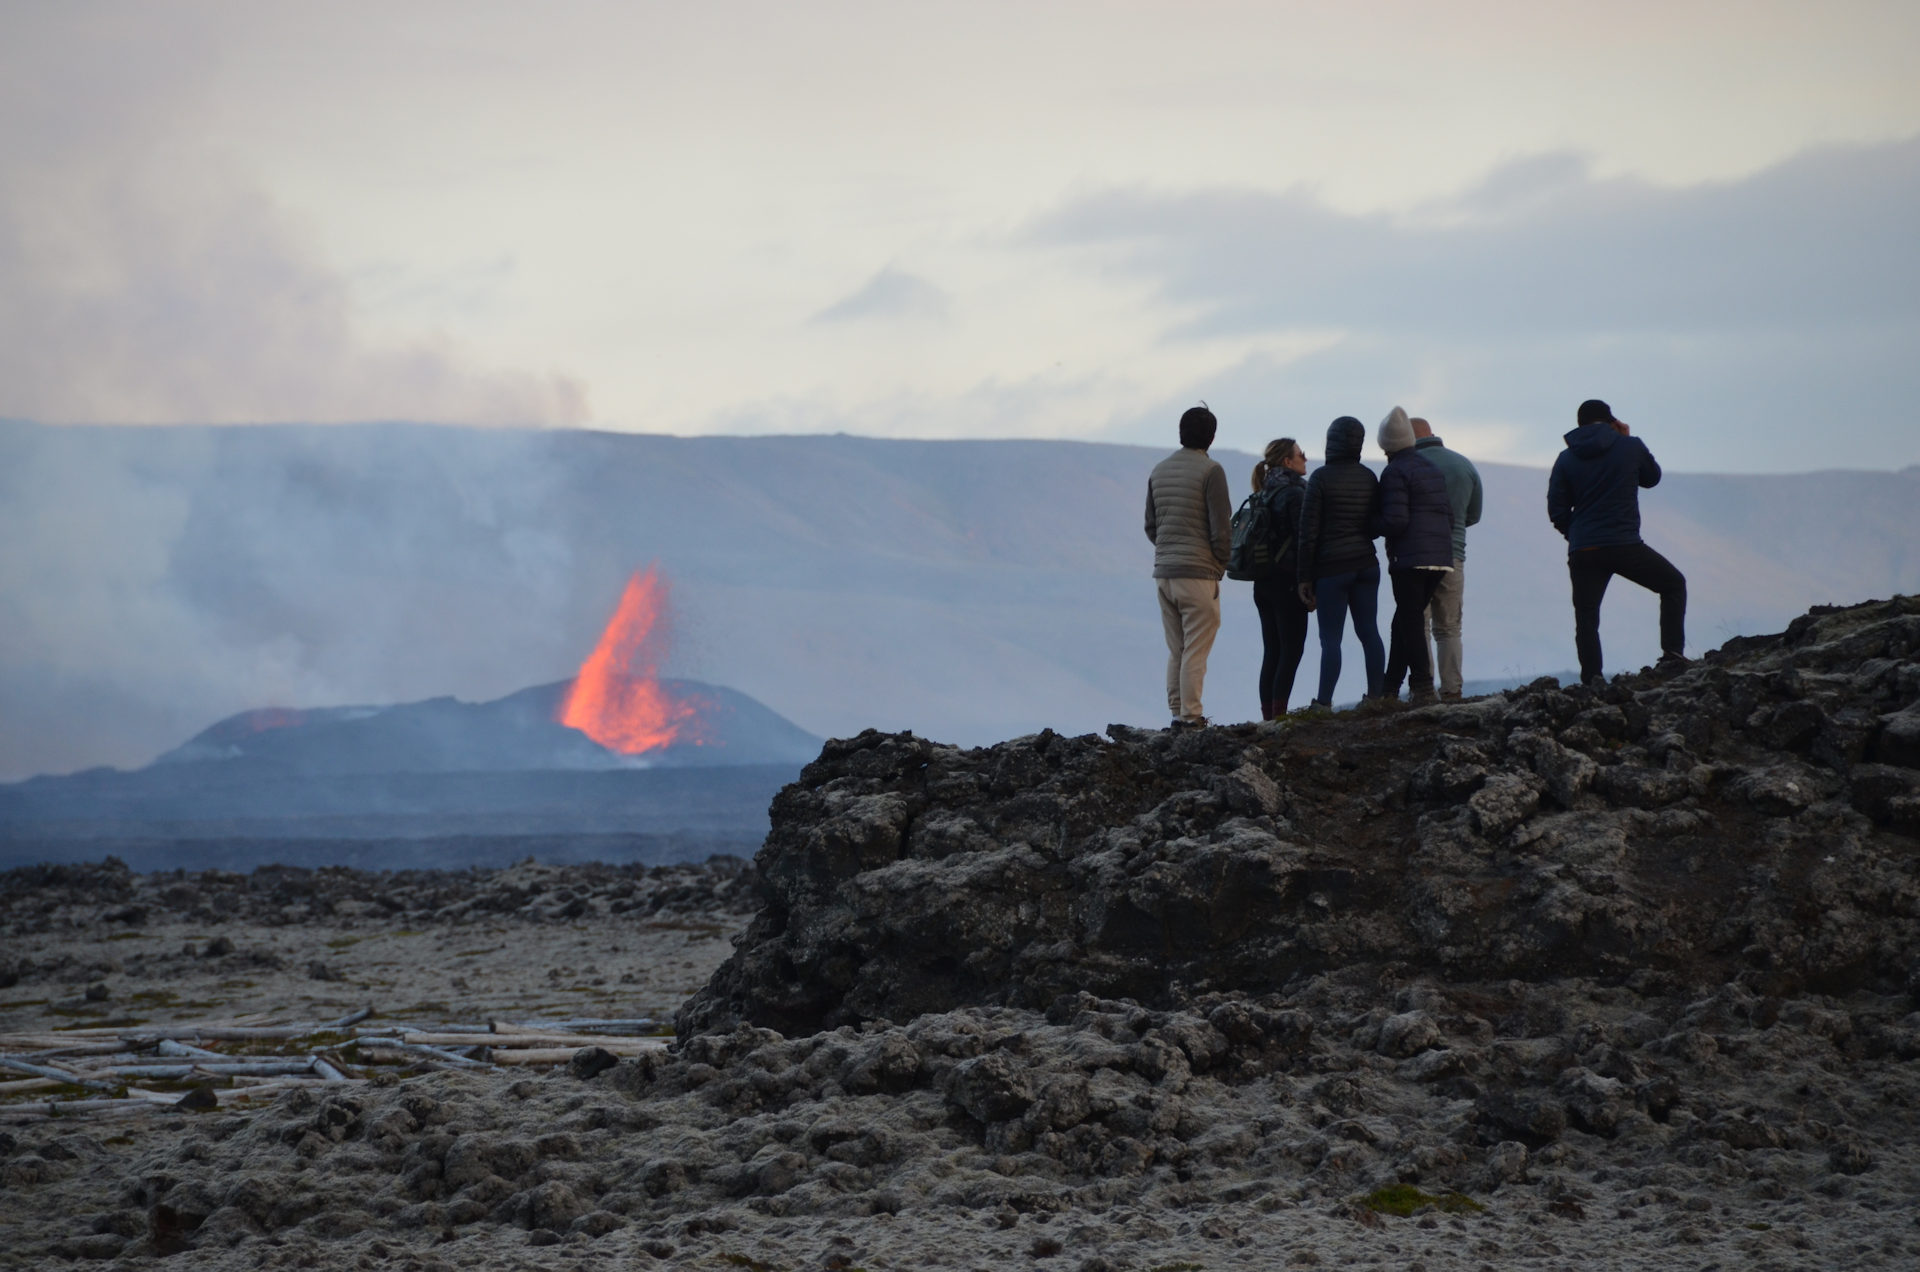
(1443,626)
(1190,613)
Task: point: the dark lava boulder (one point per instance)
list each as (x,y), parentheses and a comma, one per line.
(1753,816)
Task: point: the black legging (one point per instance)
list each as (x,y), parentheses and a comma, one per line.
(1283,637)
(1407,637)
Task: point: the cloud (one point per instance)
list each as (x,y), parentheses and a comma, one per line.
(133,299)
(1825,237)
(890,295)
(144,278)
(1771,304)
(1521,185)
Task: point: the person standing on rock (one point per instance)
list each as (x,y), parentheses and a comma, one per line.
(1338,570)
(1280,479)
(1593,498)
(1464,493)
(1190,524)
(1416,520)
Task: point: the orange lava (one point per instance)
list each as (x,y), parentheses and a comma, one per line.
(617,699)
(263,720)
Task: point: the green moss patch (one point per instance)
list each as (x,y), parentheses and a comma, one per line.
(1402,1200)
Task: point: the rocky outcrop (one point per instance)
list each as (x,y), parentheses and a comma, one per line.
(1751,819)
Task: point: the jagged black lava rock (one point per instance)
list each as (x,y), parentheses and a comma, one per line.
(1750,818)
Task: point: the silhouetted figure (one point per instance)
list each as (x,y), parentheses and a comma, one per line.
(1593,498)
(1339,571)
(1279,479)
(1190,523)
(1444,614)
(1416,521)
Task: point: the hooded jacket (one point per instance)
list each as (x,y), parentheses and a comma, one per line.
(1189,517)
(1415,516)
(1593,495)
(1336,516)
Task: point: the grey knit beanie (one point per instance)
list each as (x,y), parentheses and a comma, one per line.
(1396,432)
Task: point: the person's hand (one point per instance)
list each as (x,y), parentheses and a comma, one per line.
(1620,427)
(1307,597)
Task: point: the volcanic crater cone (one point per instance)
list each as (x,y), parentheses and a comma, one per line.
(439,783)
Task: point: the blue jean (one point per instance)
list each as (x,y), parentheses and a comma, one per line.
(1336,594)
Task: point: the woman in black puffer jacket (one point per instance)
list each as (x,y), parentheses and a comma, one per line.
(1283,615)
(1416,520)
(1338,569)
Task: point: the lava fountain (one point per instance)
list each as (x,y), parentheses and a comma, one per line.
(617,699)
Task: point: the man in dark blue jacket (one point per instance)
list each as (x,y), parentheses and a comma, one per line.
(1593,498)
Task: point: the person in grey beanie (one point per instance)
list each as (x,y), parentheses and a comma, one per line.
(1416,521)
(1190,524)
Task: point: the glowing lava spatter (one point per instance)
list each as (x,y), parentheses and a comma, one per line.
(617,699)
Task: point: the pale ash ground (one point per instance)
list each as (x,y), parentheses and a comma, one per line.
(487,967)
(66,1181)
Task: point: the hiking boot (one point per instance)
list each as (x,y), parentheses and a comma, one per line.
(1181,724)
(1422,698)
(1671,663)
(1451,695)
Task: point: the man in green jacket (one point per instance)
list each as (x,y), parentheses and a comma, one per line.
(1190,523)
(1464,495)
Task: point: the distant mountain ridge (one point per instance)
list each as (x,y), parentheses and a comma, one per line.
(152,579)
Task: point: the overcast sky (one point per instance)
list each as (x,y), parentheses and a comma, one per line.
(979,220)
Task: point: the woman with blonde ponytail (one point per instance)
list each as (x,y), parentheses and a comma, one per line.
(1280,478)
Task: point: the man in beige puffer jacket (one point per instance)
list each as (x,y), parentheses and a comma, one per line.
(1190,523)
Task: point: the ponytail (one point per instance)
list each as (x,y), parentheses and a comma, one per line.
(1278,452)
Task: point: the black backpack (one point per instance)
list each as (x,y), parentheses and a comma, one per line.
(1260,542)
